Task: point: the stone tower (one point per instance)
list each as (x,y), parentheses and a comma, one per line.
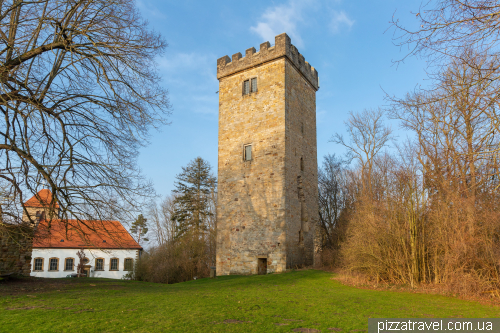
(39,207)
(267,205)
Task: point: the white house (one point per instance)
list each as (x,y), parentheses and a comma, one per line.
(109,250)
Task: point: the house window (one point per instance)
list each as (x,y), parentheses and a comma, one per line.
(247,152)
(113,266)
(99,264)
(85,261)
(38,264)
(129,264)
(69,264)
(53,264)
(254,85)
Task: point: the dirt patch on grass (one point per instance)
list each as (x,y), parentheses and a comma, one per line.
(25,308)
(234,321)
(30,286)
(306,330)
(31,308)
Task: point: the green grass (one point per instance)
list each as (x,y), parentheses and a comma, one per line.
(308,299)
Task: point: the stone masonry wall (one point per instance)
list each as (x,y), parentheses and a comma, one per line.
(264,203)
(16,244)
(283,48)
(301,176)
(32,213)
(251,200)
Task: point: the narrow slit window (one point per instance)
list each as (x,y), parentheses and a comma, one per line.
(301,164)
(254,84)
(246,87)
(247,153)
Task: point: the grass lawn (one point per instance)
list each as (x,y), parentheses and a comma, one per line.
(269,303)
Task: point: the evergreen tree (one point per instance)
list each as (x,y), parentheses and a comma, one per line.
(140,228)
(192,203)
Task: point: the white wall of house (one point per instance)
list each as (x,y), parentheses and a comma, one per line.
(91,254)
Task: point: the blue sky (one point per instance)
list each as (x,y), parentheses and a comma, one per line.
(349,43)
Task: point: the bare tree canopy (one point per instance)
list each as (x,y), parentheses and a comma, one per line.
(80,92)
(456,128)
(448,27)
(335,201)
(367,135)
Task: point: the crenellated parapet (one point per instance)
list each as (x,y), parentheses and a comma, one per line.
(282,48)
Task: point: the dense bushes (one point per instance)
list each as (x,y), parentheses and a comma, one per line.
(183,228)
(175,261)
(428,213)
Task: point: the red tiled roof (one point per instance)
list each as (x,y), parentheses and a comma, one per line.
(44,199)
(83,235)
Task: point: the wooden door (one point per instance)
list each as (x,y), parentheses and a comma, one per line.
(262,266)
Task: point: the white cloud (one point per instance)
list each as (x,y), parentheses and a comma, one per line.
(339,19)
(191,80)
(149,10)
(182,61)
(321,117)
(282,18)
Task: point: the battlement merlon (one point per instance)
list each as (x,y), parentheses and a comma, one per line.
(282,48)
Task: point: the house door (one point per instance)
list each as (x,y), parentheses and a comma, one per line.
(86,271)
(262,266)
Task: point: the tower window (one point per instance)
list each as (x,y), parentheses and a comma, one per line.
(247,152)
(301,164)
(246,87)
(254,84)
(250,86)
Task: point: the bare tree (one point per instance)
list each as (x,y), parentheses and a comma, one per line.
(367,136)
(456,128)
(447,28)
(81,262)
(333,200)
(175,257)
(79,93)
(162,225)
